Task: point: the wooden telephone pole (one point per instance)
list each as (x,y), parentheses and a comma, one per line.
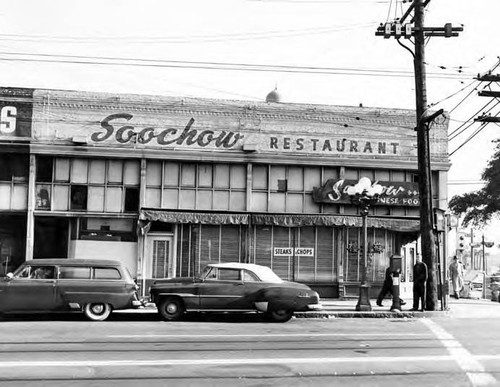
(398,30)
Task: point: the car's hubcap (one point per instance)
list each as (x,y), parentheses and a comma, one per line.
(98,309)
(171,308)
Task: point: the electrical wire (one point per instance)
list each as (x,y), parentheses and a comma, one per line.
(457,131)
(139,62)
(189,38)
(455,93)
(470,138)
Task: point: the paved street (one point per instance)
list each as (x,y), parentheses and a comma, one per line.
(138,349)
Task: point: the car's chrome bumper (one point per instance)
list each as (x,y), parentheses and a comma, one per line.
(315,306)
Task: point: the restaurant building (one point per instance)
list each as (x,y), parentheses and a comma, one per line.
(167,185)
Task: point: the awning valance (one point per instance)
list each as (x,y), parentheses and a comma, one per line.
(194,217)
(283,220)
(297,220)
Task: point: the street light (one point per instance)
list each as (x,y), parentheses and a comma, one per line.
(364,194)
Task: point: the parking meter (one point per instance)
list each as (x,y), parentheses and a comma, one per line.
(396,262)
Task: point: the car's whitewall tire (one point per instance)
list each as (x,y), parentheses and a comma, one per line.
(97,311)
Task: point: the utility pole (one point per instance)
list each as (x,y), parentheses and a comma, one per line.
(398,30)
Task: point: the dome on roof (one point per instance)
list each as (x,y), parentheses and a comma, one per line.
(273,96)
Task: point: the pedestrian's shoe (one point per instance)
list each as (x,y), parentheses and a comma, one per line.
(379,303)
(402,302)
(413,310)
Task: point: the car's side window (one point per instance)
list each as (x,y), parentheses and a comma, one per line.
(229,275)
(74,272)
(42,272)
(106,273)
(249,276)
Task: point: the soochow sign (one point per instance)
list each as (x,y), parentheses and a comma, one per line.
(393,194)
(113,130)
(126,129)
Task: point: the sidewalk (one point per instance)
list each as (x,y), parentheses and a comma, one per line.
(462,308)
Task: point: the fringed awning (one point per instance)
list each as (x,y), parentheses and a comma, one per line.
(297,220)
(212,217)
(283,220)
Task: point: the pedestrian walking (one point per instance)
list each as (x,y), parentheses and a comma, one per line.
(456,275)
(387,288)
(420,275)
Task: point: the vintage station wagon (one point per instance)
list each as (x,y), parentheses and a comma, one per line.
(93,286)
(233,287)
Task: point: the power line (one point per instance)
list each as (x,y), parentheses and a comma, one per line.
(458,131)
(470,138)
(161,63)
(187,38)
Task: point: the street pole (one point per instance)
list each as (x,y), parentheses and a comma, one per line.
(399,29)
(485,271)
(364,288)
(472,260)
(364,194)
(424,181)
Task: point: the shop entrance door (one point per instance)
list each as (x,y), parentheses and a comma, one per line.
(160,257)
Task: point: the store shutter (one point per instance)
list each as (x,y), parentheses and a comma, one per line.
(305,268)
(231,239)
(282,265)
(325,269)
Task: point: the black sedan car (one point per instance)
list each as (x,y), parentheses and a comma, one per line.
(233,287)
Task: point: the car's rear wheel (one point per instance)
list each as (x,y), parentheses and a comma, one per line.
(280,315)
(171,308)
(97,311)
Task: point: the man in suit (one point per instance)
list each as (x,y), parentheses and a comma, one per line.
(420,276)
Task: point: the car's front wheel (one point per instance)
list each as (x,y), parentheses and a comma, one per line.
(97,311)
(171,308)
(280,315)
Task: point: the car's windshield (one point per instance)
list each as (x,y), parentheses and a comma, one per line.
(206,273)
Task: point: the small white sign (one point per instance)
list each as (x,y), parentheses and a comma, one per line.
(286,251)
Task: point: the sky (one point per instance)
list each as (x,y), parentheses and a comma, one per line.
(312,51)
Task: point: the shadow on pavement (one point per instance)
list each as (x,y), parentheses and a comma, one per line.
(135,316)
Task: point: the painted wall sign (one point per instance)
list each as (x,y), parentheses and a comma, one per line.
(16,109)
(334,146)
(167,123)
(288,251)
(393,194)
(119,128)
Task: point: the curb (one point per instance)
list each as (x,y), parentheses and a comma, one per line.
(330,314)
(387,314)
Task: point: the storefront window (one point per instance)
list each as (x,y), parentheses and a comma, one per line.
(202,186)
(87,185)
(200,244)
